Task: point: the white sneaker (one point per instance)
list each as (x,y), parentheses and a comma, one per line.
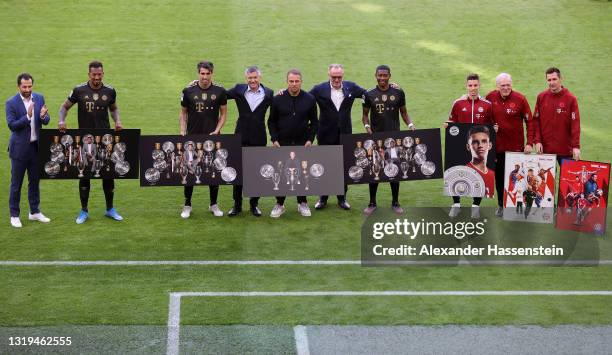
(216,210)
(186,212)
(15,222)
(454,211)
(277,211)
(39,217)
(475,212)
(304,209)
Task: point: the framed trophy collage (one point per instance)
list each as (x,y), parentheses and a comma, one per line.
(468,168)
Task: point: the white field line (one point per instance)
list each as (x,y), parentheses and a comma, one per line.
(301,340)
(294,262)
(174,306)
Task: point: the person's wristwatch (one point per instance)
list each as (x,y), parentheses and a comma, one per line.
(366,126)
(410,125)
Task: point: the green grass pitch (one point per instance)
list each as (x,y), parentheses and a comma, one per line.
(149,50)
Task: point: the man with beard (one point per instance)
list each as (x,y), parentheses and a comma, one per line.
(94,100)
(25,113)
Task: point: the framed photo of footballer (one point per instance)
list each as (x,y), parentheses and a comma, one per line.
(392,156)
(292,170)
(529,187)
(469,160)
(89,153)
(193,160)
(583,196)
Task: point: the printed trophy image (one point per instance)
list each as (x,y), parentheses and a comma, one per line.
(469,169)
(392,156)
(89,153)
(292,170)
(190,160)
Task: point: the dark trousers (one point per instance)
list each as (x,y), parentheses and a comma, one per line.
(18,169)
(237,194)
(213,191)
(500,168)
(476,201)
(281,199)
(394,192)
(341,198)
(108,185)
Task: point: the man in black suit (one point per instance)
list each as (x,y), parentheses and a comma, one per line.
(252,100)
(335,99)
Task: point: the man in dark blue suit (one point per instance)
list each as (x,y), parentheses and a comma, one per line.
(253,101)
(335,99)
(25,113)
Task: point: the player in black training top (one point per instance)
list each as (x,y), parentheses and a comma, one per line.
(95,100)
(384,104)
(203,111)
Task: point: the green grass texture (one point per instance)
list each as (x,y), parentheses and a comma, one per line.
(150,49)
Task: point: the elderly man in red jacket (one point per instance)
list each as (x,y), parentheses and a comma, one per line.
(510,111)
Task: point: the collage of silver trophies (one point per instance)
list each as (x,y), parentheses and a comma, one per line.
(191,162)
(88,155)
(386,158)
(292,172)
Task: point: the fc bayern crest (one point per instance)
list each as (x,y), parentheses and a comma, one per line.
(104,97)
(392,98)
(212,97)
(480,109)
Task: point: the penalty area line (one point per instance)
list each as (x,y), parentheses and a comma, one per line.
(174,305)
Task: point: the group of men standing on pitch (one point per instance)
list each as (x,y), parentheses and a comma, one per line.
(554,127)
(293,120)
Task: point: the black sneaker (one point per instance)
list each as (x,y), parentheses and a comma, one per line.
(255,211)
(234,211)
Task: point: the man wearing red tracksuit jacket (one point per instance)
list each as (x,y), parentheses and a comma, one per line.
(557,120)
(470,108)
(510,110)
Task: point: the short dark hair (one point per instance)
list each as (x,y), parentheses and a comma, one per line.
(95,64)
(383,67)
(206,65)
(553,70)
(472,76)
(479,129)
(24,76)
(294,72)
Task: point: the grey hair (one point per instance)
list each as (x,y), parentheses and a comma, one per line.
(335,66)
(252,69)
(503,76)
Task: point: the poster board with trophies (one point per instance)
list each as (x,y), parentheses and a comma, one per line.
(392,156)
(292,171)
(191,160)
(89,154)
